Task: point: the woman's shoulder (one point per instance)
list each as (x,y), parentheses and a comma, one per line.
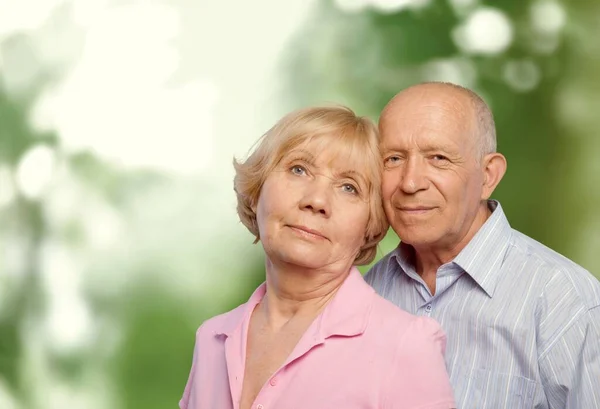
(222,323)
(416,346)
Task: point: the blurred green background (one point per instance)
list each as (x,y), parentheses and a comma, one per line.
(119,120)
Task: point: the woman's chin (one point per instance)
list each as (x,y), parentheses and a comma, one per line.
(309,261)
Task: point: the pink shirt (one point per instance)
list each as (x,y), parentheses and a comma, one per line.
(360,352)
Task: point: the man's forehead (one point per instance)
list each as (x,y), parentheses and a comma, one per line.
(427,137)
(430,114)
(427,140)
(428,99)
(427,119)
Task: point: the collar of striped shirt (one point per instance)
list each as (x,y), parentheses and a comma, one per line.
(482,257)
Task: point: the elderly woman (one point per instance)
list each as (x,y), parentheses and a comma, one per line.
(315,335)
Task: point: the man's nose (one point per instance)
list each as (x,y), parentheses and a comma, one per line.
(413,177)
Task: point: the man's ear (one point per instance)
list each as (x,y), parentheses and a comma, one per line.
(494,168)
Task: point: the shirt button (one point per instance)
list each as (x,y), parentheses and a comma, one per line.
(428,308)
(259,406)
(273,381)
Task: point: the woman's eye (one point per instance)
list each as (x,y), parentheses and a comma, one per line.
(298,170)
(348,187)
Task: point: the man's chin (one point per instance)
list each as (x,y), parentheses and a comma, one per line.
(417,238)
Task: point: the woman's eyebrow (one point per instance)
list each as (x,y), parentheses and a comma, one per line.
(353,175)
(303,153)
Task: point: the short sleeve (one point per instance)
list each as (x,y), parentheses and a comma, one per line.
(419,377)
(184,401)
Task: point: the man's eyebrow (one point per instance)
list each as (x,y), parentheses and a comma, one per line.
(442,147)
(428,148)
(388,148)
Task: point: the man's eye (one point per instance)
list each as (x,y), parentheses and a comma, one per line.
(392,162)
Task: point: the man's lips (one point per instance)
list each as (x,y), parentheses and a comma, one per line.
(306,231)
(414,210)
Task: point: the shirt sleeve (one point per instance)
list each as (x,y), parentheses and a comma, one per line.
(421,370)
(185,399)
(570,370)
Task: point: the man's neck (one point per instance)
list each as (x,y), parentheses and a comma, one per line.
(428,259)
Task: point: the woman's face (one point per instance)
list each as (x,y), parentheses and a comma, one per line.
(313,209)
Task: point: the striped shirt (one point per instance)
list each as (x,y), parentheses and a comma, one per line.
(523,322)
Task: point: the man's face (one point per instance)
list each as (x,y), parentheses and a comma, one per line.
(432,181)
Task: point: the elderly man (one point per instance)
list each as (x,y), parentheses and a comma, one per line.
(523,322)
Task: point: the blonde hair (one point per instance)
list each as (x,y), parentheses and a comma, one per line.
(356,136)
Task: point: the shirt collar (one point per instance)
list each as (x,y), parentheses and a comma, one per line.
(234,319)
(346,314)
(483,255)
(482,258)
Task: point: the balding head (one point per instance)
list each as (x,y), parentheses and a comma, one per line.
(462,105)
(440,166)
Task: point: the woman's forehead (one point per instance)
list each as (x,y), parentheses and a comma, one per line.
(343,156)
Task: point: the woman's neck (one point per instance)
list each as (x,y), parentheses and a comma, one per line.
(294,292)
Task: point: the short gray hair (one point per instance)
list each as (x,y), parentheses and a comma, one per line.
(485,125)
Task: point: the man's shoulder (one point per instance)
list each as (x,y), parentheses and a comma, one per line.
(386,265)
(561,274)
